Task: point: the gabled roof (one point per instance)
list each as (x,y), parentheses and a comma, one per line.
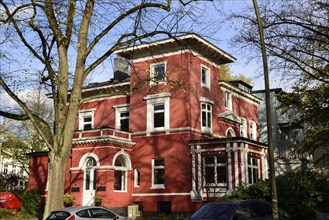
(191,42)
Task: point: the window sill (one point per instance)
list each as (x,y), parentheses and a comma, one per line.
(119,191)
(161,186)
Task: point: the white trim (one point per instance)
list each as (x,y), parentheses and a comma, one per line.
(105,87)
(229,168)
(230,129)
(253,130)
(153,185)
(170,40)
(82,162)
(153,82)
(207,128)
(136,174)
(124,108)
(105,98)
(243,128)
(236,164)
(228,100)
(97,147)
(207,84)
(240,93)
(83,113)
(151,101)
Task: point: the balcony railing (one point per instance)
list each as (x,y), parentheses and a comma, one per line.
(102,133)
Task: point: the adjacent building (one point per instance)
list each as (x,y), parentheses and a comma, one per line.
(283,134)
(165,133)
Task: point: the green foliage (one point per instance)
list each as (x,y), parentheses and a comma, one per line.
(259,190)
(68,200)
(225,74)
(31,202)
(300,195)
(308,105)
(6,213)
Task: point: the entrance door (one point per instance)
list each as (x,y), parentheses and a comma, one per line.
(89,189)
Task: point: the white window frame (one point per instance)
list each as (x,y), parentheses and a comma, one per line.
(252,167)
(118,110)
(243,128)
(157,186)
(152,73)
(137,175)
(230,130)
(124,174)
(151,101)
(207,102)
(216,164)
(84,114)
(205,84)
(252,130)
(228,101)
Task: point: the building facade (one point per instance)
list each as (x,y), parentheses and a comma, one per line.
(168,134)
(284,136)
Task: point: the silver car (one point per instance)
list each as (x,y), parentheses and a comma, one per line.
(84,213)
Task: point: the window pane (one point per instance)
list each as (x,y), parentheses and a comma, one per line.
(124,124)
(209,160)
(210,174)
(221,174)
(87,127)
(124,114)
(87,119)
(221,159)
(204,119)
(158,176)
(118,180)
(159,107)
(159,73)
(87,179)
(159,162)
(158,120)
(209,120)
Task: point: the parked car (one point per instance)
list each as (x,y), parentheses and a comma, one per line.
(234,210)
(84,212)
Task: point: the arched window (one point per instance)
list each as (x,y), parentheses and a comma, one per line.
(120,173)
(91,162)
(90,174)
(230,133)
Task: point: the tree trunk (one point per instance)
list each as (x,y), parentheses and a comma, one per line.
(57,169)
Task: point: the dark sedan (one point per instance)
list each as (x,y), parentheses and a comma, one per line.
(234,210)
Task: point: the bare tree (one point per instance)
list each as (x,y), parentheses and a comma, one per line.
(296,37)
(68,40)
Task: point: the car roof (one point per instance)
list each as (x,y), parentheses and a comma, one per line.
(236,201)
(78,208)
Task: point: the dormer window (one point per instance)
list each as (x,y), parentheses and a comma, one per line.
(205,77)
(158,73)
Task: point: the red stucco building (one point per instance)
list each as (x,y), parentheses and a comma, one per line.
(167,134)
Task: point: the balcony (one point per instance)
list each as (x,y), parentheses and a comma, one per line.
(102,135)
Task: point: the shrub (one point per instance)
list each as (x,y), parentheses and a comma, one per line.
(68,200)
(6,213)
(298,195)
(260,190)
(31,202)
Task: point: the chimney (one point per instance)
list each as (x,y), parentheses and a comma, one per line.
(121,69)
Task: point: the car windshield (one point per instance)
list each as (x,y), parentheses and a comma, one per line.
(60,215)
(223,211)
